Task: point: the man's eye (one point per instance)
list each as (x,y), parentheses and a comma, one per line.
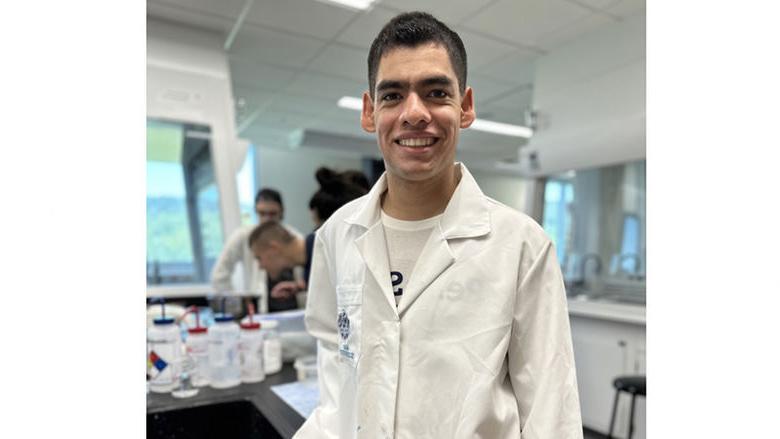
(391,97)
(438,94)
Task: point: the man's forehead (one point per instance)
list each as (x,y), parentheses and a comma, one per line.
(433,55)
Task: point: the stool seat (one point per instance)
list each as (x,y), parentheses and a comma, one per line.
(635,385)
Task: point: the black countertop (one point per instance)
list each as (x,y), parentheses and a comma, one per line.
(284,419)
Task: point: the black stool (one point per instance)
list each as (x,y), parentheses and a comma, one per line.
(635,385)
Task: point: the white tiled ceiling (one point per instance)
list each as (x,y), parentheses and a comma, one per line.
(525,21)
(292,59)
(451,12)
(306,17)
(342,61)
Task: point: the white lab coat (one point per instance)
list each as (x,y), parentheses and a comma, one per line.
(480,346)
(235,251)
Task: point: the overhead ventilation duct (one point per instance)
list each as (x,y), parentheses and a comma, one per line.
(327,140)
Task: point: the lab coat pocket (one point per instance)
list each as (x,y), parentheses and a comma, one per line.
(349,300)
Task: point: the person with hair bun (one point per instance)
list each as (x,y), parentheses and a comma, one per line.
(274,249)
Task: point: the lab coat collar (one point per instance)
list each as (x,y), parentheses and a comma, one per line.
(466,214)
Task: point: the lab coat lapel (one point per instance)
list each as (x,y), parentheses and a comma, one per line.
(434,259)
(371,244)
(466,216)
(373,248)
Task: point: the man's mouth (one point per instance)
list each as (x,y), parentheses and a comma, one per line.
(417,141)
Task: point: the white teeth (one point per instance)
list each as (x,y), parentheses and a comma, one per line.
(417,142)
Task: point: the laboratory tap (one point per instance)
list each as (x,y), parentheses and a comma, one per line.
(590,256)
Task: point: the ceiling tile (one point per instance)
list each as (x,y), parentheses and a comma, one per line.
(595,4)
(523,21)
(264,76)
(627,8)
(308,105)
(342,61)
(188,16)
(326,87)
(451,12)
(364,29)
(482,50)
(265,45)
(574,30)
(308,17)
(254,97)
(224,8)
(516,68)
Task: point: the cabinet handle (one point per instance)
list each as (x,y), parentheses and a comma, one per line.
(622,343)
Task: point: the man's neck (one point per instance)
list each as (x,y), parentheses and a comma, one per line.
(418,200)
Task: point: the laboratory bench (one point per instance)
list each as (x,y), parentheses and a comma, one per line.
(244,411)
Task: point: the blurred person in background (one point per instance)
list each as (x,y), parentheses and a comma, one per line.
(269,207)
(275,249)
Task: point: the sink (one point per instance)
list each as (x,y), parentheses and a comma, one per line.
(235,420)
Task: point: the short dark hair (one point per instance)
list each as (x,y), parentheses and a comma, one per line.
(336,190)
(269,231)
(268,194)
(411,29)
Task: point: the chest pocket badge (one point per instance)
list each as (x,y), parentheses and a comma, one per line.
(348,321)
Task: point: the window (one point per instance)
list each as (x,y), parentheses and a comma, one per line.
(246,182)
(558,198)
(596,219)
(183,223)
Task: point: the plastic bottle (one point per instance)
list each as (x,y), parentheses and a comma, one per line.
(224,367)
(164,349)
(251,351)
(198,349)
(272,347)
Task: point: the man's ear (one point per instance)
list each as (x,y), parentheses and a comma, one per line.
(367,115)
(467,112)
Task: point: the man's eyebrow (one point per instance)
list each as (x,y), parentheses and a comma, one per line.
(388,85)
(437,80)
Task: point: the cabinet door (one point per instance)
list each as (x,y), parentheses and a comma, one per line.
(598,360)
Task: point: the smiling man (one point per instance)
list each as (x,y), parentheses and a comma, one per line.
(439,312)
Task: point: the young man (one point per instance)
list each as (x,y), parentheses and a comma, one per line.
(439,312)
(269,207)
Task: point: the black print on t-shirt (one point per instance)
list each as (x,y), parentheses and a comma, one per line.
(397,278)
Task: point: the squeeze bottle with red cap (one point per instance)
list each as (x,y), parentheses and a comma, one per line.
(198,349)
(163,353)
(250,347)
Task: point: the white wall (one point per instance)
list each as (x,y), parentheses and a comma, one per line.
(507,189)
(291,172)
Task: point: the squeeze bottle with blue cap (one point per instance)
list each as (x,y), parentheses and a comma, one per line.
(251,350)
(224,366)
(163,353)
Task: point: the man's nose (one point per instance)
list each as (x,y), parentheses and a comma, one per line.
(415,112)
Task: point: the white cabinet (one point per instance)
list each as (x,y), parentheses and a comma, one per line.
(603,350)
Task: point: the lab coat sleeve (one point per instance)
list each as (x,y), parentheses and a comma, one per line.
(320,318)
(541,358)
(223,269)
